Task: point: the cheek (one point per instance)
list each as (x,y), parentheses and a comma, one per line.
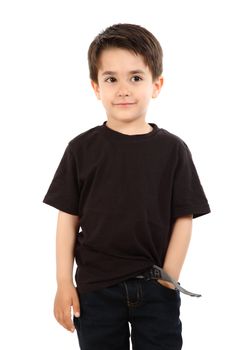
(145,90)
(106,99)
(146,95)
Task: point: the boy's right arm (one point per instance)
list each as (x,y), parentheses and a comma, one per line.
(66,295)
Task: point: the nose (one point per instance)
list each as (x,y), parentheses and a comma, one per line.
(123,90)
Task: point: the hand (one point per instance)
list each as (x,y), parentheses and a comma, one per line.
(166,284)
(66,297)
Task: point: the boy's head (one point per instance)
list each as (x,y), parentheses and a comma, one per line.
(125,63)
(131,37)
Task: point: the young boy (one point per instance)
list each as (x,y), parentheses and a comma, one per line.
(133,189)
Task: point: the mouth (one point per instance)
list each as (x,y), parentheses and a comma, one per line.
(125,104)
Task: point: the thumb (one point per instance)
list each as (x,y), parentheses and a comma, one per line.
(76,306)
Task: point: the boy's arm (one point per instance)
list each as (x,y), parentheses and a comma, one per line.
(177,248)
(65,239)
(66,295)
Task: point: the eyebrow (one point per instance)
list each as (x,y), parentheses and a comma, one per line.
(137,71)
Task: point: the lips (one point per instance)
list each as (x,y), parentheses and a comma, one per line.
(124,104)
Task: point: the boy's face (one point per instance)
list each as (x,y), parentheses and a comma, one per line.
(125,84)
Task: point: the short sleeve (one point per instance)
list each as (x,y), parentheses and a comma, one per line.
(188,196)
(63,192)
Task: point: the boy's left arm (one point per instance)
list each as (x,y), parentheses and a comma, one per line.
(177,248)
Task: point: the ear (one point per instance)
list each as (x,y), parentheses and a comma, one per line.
(157,86)
(96,89)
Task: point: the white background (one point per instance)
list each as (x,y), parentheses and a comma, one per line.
(47,99)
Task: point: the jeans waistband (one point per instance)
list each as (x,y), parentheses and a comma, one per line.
(156,272)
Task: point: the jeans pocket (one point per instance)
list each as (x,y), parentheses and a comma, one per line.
(168,291)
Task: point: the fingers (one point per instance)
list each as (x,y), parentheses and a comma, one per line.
(66,297)
(62,310)
(64,318)
(166,284)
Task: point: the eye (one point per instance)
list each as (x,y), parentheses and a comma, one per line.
(112,79)
(137,78)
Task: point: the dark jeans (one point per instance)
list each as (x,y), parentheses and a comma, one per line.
(152,310)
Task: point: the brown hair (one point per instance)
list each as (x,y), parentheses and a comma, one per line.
(131,37)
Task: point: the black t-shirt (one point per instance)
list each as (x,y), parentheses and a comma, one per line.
(127,191)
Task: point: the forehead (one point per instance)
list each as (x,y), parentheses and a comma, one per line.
(117,59)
